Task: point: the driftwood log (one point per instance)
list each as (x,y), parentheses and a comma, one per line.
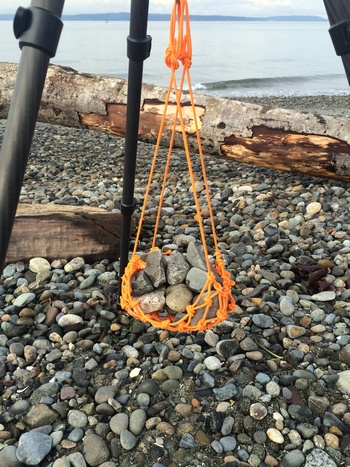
(246,133)
(54,231)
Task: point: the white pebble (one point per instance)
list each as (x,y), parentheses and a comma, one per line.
(212,363)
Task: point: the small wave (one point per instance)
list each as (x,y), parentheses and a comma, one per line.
(276,86)
(259,83)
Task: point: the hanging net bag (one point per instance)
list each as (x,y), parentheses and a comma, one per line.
(179,292)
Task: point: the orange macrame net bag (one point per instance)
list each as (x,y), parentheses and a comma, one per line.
(214,302)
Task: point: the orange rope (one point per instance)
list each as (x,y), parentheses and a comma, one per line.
(179,51)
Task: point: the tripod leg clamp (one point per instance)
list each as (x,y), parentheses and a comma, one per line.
(128,209)
(340,35)
(38,28)
(138,50)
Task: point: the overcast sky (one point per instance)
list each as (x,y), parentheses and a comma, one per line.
(204,7)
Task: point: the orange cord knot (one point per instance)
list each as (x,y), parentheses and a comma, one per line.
(171,60)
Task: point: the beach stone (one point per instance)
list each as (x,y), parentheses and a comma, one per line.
(294,332)
(173,372)
(212,363)
(8,457)
(300,413)
(119,422)
(343,382)
(286,307)
(88,282)
(40,415)
(344,354)
(76,459)
(225,393)
(51,315)
(184,240)
(226,348)
(69,320)
(228,443)
(318,457)
(141,284)
(76,435)
(155,268)
(39,264)
(254,355)
(195,256)
(104,393)
(318,405)
(24,299)
(327,296)
(77,418)
(17,348)
(95,450)
(178,297)
(196,279)
(227,425)
(275,435)
(48,389)
(149,387)
(177,269)
(257,411)
(262,321)
(187,441)
(153,301)
(137,421)
(106,277)
(9,270)
(273,389)
(33,447)
(127,440)
(75,264)
(313,208)
(211,338)
(275,249)
(294,458)
(19,407)
(248,345)
(217,446)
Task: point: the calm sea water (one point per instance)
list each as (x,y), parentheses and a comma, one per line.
(229,58)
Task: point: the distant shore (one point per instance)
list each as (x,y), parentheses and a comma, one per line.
(336,106)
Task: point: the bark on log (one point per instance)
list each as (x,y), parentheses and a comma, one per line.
(247,133)
(55,231)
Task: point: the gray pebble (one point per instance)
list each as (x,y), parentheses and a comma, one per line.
(228,443)
(33,447)
(137,421)
(127,440)
(119,422)
(8,457)
(95,450)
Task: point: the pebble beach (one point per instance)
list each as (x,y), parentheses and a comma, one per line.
(83,384)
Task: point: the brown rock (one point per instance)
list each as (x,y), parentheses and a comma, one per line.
(183,408)
(51,314)
(202,438)
(295,331)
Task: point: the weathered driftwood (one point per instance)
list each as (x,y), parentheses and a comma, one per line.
(247,133)
(55,231)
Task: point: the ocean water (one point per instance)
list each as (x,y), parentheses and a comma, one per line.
(230,59)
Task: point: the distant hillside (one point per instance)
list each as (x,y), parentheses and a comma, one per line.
(6,17)
(158,17)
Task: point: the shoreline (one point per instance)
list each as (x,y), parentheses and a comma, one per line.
(322,104)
